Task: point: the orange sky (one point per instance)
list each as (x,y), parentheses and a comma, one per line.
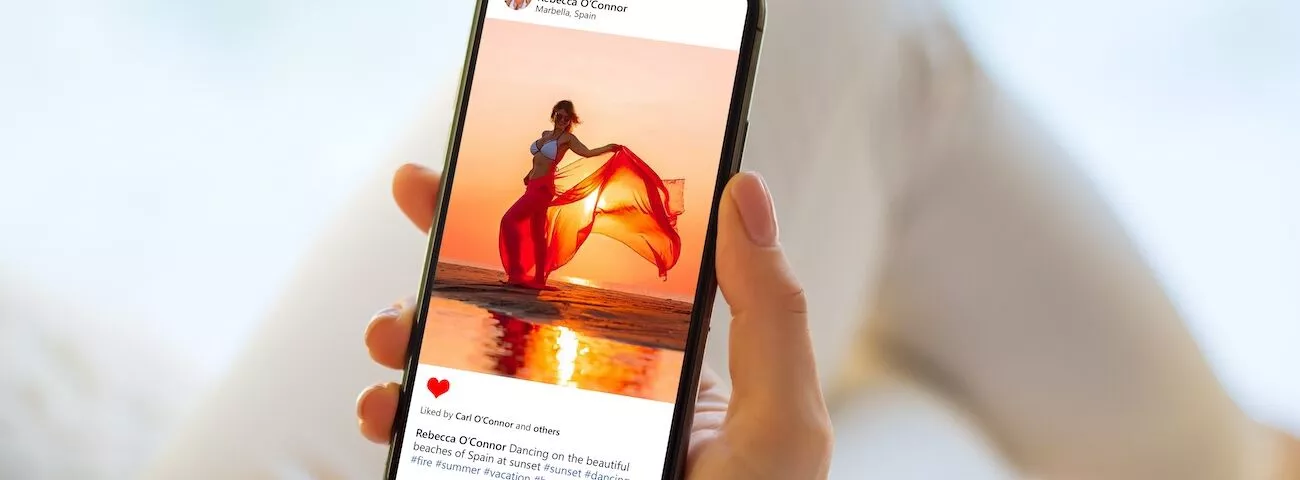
(666,102)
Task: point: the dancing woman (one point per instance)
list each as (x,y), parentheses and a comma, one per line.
(544,228)
(523,227)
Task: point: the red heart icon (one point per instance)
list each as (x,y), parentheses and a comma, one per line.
(438,387)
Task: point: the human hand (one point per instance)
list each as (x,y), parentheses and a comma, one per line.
(773,425)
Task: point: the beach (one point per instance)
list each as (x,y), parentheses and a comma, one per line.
(624,317)
(575,336)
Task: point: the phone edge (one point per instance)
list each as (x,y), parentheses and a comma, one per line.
(706,290)
(434,244)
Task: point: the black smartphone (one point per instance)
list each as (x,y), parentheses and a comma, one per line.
(562,317)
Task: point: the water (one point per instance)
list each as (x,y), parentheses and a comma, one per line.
(577,336)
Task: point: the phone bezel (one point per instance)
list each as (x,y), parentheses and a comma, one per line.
(706,287)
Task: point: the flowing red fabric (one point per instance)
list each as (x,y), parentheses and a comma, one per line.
(621,198)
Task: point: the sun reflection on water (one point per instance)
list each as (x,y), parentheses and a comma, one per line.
(467,337)
(566,356)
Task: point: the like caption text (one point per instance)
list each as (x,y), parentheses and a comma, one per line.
(472,454)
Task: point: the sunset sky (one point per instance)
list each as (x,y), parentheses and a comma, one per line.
(666,102)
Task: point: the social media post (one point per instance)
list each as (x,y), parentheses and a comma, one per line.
(473,425)
(706,23)
(570,252)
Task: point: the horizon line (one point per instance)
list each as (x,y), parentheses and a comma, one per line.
(584,282)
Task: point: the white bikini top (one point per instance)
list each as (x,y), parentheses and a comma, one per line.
(549,148)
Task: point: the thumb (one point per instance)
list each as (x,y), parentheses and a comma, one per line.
(772,367)
(415,188)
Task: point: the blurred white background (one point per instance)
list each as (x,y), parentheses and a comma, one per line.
(170,160)
(173,158)
(1186,114)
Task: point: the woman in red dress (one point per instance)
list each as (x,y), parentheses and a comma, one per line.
(544,228)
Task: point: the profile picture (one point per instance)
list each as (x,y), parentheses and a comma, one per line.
(576,225)
(517,4)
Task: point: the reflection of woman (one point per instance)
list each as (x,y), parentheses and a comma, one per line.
(544,228)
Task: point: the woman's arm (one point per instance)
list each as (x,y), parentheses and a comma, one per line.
(580,149)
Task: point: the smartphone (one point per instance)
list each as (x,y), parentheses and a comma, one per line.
(561,320)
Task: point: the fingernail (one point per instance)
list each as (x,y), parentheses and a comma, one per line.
(364,398)
(425,170)
(418,167)
(421,170)
(390,312)
(755,205)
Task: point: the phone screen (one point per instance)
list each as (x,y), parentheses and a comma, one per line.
(569,266)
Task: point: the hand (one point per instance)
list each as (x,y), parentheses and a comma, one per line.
(774,425)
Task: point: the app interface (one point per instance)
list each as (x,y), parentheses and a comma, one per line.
(572,241)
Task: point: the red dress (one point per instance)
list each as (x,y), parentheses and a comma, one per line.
(622,198)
